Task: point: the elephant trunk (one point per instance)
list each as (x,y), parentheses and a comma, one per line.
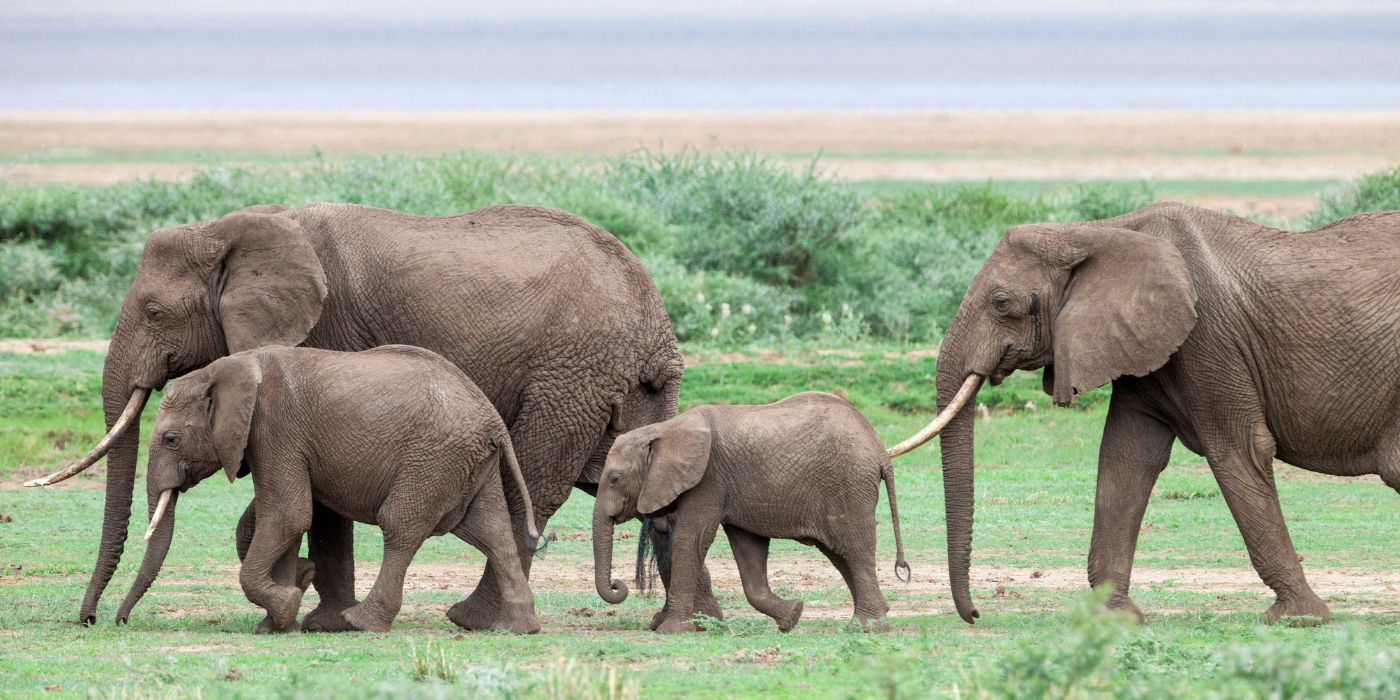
(957,442)
(118,392)
(610,589)
(162,530)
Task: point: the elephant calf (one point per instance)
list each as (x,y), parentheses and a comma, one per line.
(395,436)
(806,468)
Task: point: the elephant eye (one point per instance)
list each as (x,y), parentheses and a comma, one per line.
(1001,301)
(170,440)
(613,479)
(153,313)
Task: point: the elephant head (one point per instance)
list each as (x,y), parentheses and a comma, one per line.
(646,471)
(202,291)
(202,426)
(1089,302)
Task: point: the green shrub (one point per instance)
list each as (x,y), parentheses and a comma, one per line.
(794,254)
(739,213)
(1347,665)
(1375,192)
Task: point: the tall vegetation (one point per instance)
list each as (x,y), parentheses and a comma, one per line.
(743,250)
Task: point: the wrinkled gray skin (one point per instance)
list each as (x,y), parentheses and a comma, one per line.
(807,468)
(395,436)
(555,320)
(1245,342)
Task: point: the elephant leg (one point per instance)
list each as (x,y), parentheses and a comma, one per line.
(1134,451)
(705,601)
(405,526)
(857,567)
(272,551)
(1244,469)
(751,555)
(487,526)
(332,545)
(551,445)
(690,539)
(290,570)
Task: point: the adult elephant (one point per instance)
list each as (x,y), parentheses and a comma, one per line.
(555,320)
(1243,341)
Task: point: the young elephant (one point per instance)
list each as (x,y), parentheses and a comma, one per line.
(395,436)
(807,468)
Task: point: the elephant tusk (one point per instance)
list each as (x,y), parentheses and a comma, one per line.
(130,413)
(160,512)
(967,391)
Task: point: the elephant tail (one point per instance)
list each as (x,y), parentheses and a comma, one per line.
(887,475)
(533,541)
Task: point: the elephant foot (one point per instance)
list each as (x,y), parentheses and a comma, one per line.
(870,624)
(1123,604)
(327,618)
(1304,610)
(706,604)
(788,614)
(471,615)
(362,617)
(306,573)
(284,603)
(672,625)
(714,611)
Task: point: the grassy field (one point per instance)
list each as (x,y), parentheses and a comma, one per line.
(778,280)
(191,635)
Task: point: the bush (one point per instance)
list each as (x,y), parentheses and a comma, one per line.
(794,254)
(738,213)
(1375,192)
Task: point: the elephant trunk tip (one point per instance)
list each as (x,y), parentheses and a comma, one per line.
(615,594)
(968,612)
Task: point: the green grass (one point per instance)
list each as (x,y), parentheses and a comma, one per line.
(1035,485)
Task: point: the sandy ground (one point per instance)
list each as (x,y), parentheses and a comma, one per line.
(810,577)
(106,147)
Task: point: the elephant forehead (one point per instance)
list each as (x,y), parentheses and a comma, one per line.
(178,246)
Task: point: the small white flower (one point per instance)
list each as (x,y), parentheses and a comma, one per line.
(787,319)
(710,308)
(826,318)
(751,328)
(724,310)
(700,298)
(714,332)
(846,310)
(747,309)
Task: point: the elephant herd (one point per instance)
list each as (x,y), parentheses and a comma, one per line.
(463,374)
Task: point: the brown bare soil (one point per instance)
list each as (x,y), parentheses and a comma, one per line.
(813,579)
(106,147)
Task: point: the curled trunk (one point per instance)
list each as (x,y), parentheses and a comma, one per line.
(610,589)
(157,546)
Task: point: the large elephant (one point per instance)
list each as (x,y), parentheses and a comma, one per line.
(1245,342)
(555,320)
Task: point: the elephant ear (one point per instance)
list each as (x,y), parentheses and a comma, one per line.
(679,456)
(233,394)
(1128,305)
(271,285)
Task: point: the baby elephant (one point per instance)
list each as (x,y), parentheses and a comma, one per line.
(807,468)
(395,436)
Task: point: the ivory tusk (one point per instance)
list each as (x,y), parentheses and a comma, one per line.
(967,391)
(132,410)
(160,512)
